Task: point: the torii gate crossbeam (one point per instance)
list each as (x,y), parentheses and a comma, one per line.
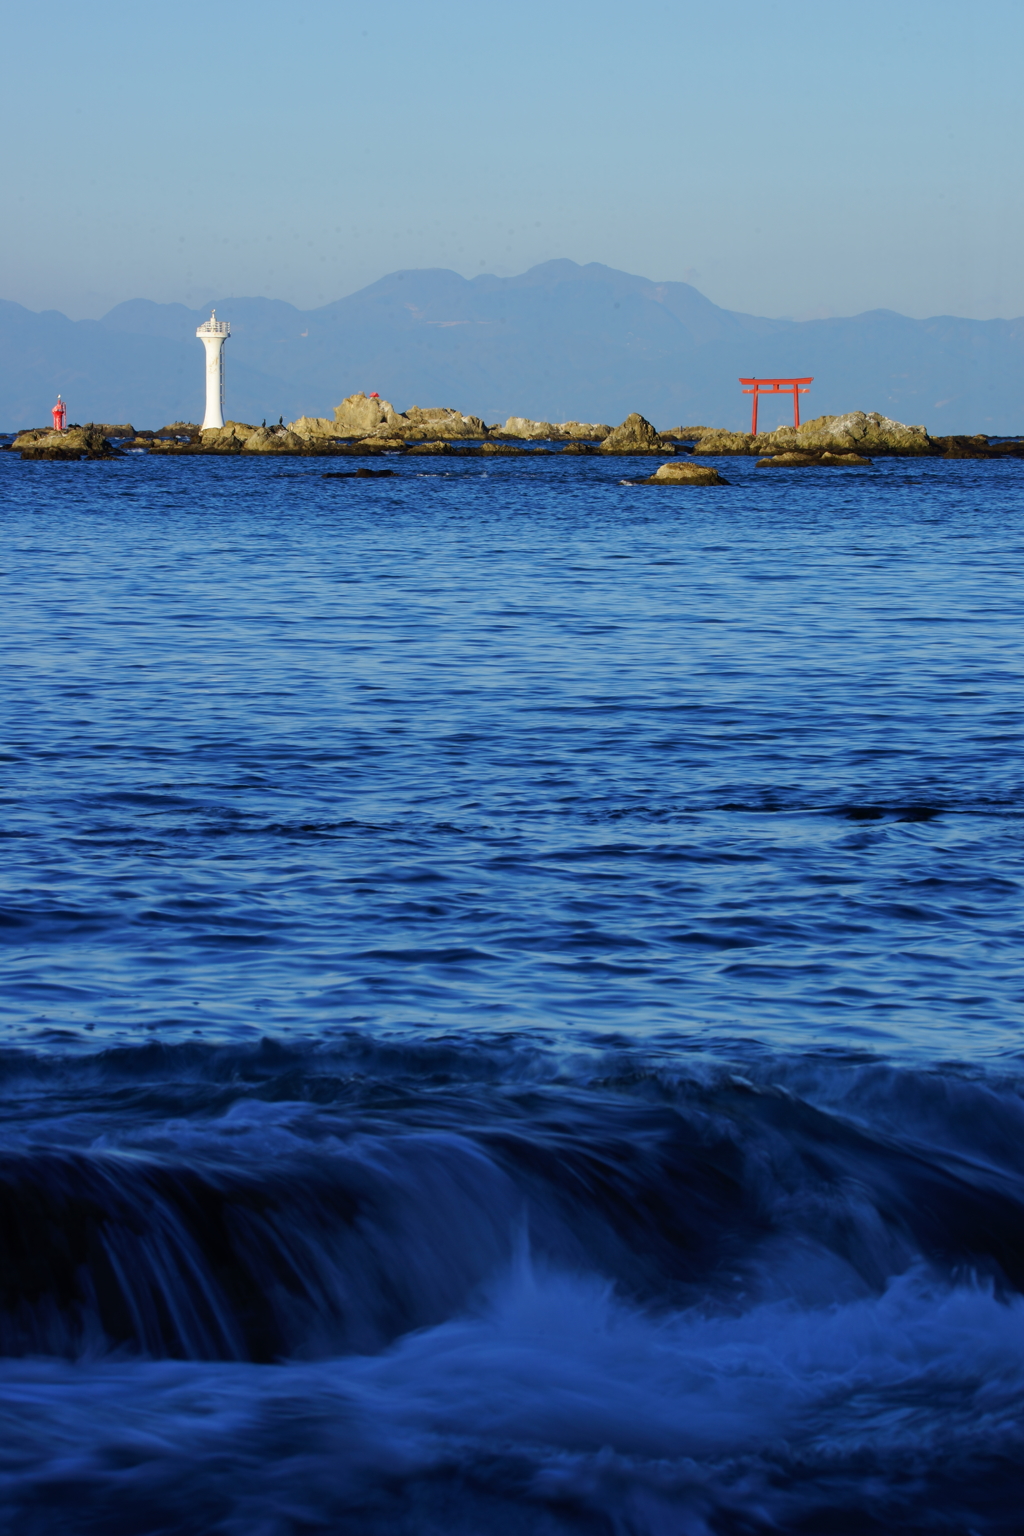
(776,387)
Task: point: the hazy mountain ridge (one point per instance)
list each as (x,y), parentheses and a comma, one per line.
(560,341)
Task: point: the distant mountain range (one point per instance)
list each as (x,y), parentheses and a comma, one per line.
(558,342)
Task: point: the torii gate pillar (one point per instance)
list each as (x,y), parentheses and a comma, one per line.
(776,387)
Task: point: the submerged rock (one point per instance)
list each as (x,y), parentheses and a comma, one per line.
(685,474)
(635,435)
(358,474)
(812,461)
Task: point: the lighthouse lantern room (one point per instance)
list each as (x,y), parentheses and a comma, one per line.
(213,333)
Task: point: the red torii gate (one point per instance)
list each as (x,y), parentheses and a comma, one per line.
(776,387)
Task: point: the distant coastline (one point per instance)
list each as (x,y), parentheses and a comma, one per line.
(559,341)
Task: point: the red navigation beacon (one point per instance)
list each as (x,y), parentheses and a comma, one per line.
(60,415)
(776,387)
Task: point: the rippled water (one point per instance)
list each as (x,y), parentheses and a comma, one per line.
(511,998)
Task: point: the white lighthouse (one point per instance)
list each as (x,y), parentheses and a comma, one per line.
(213,333)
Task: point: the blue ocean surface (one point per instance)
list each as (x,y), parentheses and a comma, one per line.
(511,999)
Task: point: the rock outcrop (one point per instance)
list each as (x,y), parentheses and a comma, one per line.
(273,440)
(977,447)
(32,435)
(75,443)
(635,435)
(685,474)
(862,432)
(717,440)
(240,437)
(106,429)
(230,438)
(592,431)
(368,421)
(438,422)
(856,432)
(529,431)
(551,431)
(358,415)
(309,428)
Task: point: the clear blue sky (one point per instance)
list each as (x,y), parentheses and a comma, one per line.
(788,159)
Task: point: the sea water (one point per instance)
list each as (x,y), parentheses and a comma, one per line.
(511,999)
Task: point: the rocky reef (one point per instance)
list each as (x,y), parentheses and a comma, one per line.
(366,424)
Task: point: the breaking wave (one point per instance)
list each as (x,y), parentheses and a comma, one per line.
(421,1288)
